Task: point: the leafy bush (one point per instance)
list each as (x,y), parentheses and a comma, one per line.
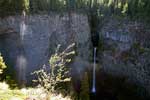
(58,74)
(2,64)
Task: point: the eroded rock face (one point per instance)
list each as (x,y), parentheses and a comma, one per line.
(125,45)
(33,39)
(126,51)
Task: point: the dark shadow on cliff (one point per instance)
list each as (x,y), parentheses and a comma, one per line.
(108,87)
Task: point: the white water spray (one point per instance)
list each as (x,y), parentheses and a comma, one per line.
(94,69)
(23,25)
(21,68)
(21,60)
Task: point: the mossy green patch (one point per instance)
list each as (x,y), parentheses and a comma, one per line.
(11,94)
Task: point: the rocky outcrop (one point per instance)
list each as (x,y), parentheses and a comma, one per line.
(126,50)
(27,43)
(34,38)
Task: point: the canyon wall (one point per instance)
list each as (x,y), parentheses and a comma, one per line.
(26,42)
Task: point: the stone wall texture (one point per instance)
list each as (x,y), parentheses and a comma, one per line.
(28,41)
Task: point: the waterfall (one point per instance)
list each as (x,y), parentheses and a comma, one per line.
(23,25)
(94,73)
(21,62)
(21,68)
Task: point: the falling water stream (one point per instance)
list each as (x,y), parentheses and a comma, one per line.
(21,60)
(94,69)
(22,25)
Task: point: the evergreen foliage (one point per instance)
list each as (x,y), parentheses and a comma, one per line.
(9,7)
(132,8)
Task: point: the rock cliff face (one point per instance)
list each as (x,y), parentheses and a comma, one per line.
(27,42)
(126,50)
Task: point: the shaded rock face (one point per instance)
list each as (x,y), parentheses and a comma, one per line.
(28,42)
(126,51)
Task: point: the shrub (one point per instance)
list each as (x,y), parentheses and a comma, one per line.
(58,74)
(2,64)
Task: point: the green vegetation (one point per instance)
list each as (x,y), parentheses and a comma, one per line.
(7,94)
(6,75)
(9,7)
(11,94)
(56,80)
(59,74)
(27,94)
(132,8)
(2,64)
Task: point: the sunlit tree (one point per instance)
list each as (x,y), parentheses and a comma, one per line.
(2,64)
